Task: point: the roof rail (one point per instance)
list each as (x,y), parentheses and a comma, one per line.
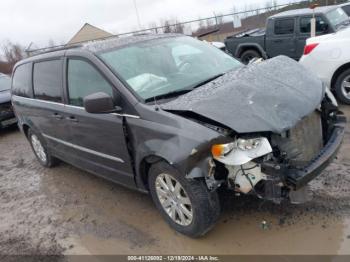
(50,49)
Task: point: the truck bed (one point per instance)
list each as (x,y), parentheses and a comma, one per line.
(255,36)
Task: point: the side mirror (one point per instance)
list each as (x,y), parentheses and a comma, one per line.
(100,103)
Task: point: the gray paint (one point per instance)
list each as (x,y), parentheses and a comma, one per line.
(269,96)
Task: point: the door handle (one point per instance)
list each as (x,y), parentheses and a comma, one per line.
(72,118)
(277,41)
(57,116)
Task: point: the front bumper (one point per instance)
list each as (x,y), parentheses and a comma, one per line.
(300,177)
(7,118)
(297,178)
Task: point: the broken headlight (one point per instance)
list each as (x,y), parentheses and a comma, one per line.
(241,151)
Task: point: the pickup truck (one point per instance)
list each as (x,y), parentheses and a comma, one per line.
(285,33)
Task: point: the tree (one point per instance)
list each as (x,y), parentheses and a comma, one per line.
(13,52)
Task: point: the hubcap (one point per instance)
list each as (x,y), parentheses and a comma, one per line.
(174,199)
(345,87)
(38,148)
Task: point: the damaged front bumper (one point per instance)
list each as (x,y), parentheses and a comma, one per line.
(297,178)
(273,177)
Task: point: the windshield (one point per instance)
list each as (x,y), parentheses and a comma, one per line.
(5,83)
(168,66)
(337,17)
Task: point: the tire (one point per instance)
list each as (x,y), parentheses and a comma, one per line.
(342,87)
(195,198)
(42,155)
(248,55)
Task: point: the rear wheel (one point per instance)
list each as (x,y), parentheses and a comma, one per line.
(342,87)
(187,205)
(40,150)
(249,55)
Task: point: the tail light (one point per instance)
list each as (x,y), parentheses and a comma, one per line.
(308,48)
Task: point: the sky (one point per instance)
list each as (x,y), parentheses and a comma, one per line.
(38,21)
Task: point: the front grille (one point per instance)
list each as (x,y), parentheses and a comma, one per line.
(303,142)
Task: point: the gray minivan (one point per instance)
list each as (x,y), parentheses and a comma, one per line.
(177,117)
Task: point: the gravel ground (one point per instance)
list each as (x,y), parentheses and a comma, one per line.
(64,210)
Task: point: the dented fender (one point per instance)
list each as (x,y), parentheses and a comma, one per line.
(181,142)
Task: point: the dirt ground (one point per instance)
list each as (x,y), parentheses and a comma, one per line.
(68,211)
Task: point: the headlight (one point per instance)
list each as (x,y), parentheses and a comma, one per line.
(220,150)
(248,144)
(241,151)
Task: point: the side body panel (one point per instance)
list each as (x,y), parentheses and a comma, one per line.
(280,44)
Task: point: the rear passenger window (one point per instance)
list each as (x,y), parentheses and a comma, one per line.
(21,81)
(284,27)
(47,80)
(84,80)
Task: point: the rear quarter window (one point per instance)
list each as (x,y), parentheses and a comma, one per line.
(47,80)
(21,81)
(284,26)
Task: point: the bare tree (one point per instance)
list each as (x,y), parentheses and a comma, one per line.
(12,52)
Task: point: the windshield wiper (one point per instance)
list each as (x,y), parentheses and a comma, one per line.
(206,81)
(168,95)
(182,91)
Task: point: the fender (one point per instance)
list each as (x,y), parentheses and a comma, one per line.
(182,143)
(251,45)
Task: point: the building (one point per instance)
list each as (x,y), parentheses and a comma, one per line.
(88,32)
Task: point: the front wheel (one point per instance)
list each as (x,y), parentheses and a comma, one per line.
(186,204)
(342,87)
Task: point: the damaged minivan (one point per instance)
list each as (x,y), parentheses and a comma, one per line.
(180,119)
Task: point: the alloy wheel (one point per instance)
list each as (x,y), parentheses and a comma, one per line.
(174,199)
(38,148)
(345,87)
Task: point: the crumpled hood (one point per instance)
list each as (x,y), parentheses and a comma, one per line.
(5,96)
(269,96)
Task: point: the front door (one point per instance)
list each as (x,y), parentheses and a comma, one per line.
(97,139)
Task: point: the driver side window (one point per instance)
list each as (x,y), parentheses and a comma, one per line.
(83,80)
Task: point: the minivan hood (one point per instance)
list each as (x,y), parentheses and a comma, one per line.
(269,96)
(5,96)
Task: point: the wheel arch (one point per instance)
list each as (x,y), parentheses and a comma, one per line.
(337,73)
(143,169)
(250,46)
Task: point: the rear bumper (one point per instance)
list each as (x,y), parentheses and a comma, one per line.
(298,178)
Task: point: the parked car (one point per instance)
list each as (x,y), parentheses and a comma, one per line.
(285,33)
(329,58)
(7,116)
(346,8)
(180,119)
